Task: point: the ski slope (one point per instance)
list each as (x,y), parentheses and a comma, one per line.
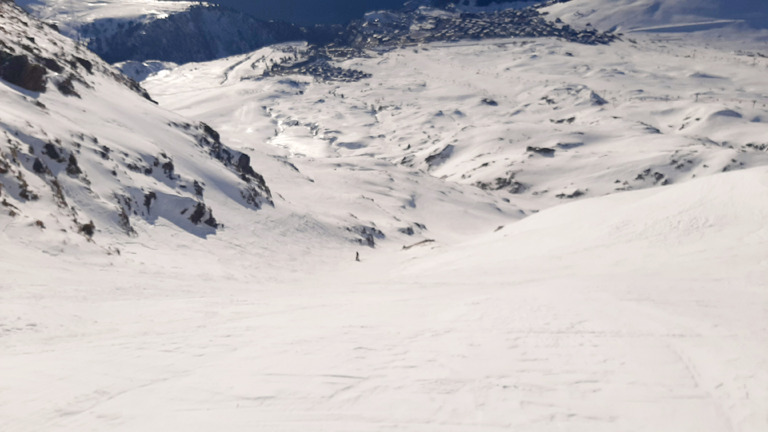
(638,311)
(552,237)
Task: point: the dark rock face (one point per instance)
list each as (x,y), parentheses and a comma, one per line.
(168,169)
(51,151)
(148,198)
(67,87)
(197,215)
(38,167)
(441,156)
(88,229)
(203,214)
(508,183)
(543,151)
(575,194)
(19,70)
(73,169)
(52,65)
(85,64)
(367,235)
(211,132)
(258,192)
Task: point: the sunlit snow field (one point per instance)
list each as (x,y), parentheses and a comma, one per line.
(638,304)
(640,311)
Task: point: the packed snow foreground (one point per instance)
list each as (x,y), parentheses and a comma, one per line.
(552,236)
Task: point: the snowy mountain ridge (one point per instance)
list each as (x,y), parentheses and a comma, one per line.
(84,150)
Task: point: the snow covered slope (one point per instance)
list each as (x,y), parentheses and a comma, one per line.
(540,120)
(661,15)
(552,236)
(84,151)
(640,311)
(84,154)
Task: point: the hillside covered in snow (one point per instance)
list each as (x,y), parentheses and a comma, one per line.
(540,120)
(445,219)
(665,16)
(85,149)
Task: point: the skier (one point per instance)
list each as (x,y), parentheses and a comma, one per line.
(357,256)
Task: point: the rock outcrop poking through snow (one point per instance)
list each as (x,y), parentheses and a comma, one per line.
(83,151)
(33,54)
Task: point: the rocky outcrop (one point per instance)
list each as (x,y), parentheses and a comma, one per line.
(366,235)
(20,71)
(33,54)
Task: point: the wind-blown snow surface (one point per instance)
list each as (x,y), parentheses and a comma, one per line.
(70,14)
(661,15)
(640,310)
